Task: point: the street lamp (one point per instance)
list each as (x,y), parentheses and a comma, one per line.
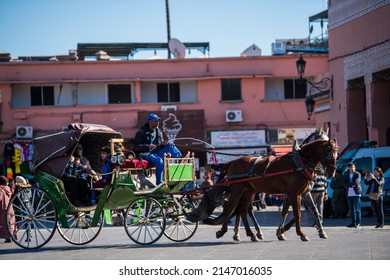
(317,89)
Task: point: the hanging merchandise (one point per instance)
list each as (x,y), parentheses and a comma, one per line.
(17,160)
(16,153)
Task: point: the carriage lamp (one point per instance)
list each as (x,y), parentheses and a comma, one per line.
(324,86)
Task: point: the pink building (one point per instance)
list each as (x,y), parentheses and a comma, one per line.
(359,60)
(253,101)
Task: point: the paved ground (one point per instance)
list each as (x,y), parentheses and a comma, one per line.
(366,243)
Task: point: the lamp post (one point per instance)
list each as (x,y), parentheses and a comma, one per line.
(322,87)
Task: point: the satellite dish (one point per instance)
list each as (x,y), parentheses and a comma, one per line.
(177,48)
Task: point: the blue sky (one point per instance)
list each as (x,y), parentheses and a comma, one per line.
(53,27)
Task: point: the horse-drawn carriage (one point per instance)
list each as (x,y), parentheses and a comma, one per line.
(38,209)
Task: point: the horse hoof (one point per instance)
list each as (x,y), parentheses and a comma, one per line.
(260,236)
(323,235)
(236,238)
(305,238)
(219,234)
(281,237)
(254,238)
(279,231)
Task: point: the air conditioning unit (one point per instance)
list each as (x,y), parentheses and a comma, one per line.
(168,108)
(24,131)
(233,116)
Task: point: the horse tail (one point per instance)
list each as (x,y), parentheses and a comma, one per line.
(211,200)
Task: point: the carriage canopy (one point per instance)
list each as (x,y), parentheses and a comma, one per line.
(52,152)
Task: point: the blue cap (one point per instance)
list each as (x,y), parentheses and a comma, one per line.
(153,117)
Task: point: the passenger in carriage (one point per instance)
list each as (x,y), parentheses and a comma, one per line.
(105,179)
(77,185)
(71,185)
(81,172)
(83,160)
(150,145)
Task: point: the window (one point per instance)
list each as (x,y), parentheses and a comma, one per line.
(295,89)
(363,164)
(231,89)
(118,94)
(168,92)
(42,96)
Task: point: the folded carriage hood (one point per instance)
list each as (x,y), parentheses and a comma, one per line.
(52,152)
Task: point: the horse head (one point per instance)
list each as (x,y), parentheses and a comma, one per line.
(321,151)
(329,158)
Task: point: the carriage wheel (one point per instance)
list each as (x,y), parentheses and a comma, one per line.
(80,230)
(31,218)
(145,220)
(179,228)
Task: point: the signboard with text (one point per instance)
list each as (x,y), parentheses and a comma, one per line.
(237,138)
(222,156)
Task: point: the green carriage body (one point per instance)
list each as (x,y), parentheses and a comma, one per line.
(52,153)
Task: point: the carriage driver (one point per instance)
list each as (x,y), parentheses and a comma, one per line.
(150,145)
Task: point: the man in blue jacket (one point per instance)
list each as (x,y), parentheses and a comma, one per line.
(353,190)
(150,145)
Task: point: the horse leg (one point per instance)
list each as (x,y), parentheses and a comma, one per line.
(281,229)
(314,210)
(246,206)
(236,229)
(229,209)
(259,233)
(296,204)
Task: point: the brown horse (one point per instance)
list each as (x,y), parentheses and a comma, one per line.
(318,134)
(289,174)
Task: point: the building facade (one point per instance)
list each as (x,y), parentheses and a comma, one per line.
(206,98)
(359,60)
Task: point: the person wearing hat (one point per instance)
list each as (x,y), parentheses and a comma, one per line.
(353,190)
(150,145)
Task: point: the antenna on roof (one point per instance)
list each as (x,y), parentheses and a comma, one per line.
(177,48)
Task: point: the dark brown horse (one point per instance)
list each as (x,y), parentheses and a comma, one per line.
(318,134)
(289,174)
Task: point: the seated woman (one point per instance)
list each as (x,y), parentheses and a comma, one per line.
(105,154)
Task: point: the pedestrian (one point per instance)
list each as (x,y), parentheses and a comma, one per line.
(375,183)
(150,145)
(11,184)
(5,197)
(339,200)
(318,192)
(353,191)
(259,201)
(206,181)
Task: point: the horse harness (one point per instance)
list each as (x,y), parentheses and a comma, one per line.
(302,166)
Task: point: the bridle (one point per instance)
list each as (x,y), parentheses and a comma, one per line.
(307,167)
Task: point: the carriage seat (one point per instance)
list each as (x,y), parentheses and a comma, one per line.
(135,163)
